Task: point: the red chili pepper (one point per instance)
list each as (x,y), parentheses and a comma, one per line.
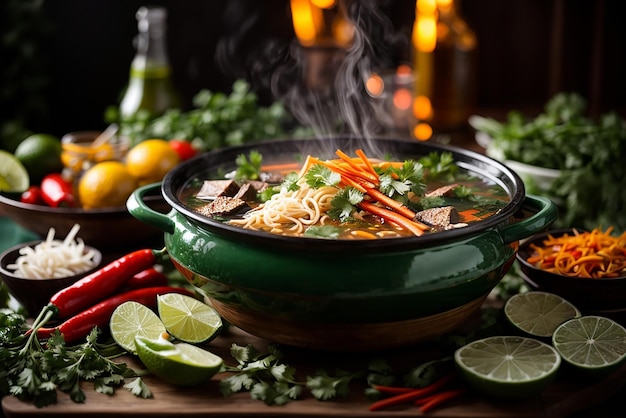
(412,395)
(147,278)
(32,196)
(57,192)
(393,390)
(79,326)
(438,398)
(98,285)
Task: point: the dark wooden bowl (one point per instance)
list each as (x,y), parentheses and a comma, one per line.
(589,295)
(108,229)
(34,294)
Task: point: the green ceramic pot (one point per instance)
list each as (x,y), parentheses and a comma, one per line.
(313,285)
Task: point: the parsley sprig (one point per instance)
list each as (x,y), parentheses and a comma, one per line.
(269,379)
(34,373)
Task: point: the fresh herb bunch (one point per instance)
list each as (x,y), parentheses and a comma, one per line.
(217,120)
(33,373)
(590,153)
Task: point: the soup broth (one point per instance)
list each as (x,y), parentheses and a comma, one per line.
(447,196)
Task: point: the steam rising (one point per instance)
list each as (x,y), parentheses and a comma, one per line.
(322,86)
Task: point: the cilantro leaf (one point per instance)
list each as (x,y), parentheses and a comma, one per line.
(324,386)
(248,168)
(322,231)
(398,182)
(138,388)
(319,176)
(439,165)
(290,182)
(344,203)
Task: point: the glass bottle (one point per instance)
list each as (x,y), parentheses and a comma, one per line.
(150,87)
(445,54)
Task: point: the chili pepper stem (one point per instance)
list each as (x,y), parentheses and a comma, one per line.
(44,316)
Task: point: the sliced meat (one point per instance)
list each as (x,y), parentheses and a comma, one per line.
(213,188)
(258,185)
(443,191)
(438,217)
(223,205)
(246,192)
(272,178)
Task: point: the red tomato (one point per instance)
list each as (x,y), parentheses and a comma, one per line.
(183,148)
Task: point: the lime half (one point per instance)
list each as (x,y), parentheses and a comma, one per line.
(179,364)
(508,367)
(594,345)
(188,319)
(13,175)
(132,319)
(537,313)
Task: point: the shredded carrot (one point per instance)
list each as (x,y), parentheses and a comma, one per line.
(366,162)
(354,169)
(591,254)
(469,215)
(363,234)
(403,222)
(389,202)
(349,182)
(286,167)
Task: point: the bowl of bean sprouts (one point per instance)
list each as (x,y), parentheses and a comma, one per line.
(34,271)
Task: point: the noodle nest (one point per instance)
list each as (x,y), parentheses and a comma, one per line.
(53,258)
(292,211)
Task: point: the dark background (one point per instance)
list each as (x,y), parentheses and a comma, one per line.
(528,50)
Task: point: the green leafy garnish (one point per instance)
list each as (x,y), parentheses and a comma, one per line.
(344,203)
(290,182)
(320,176)
(397,182)
(590,153)
(34,373)
(267,193)
(248,168)
(439,166)
(323,231)
(217,120)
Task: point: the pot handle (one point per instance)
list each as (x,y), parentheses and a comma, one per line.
(545,213)
(140,210)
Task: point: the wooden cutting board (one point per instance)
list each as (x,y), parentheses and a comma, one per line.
(565,397)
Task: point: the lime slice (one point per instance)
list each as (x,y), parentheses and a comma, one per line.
(508,367)
(188,319)
(537,313)
(594,345)
(179,364)
(132,319)
(13,175)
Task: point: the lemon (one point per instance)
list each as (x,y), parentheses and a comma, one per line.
(508,367)
(132,319)
(593,345)
(538,313)
(150,160)
(179,364)
(188,319)
(13,175)
(106,184)
(40,154)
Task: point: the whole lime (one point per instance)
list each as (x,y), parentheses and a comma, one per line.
(40,154)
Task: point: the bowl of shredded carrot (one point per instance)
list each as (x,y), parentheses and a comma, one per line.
(586,267)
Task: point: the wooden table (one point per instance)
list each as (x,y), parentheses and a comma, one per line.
(564,398)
